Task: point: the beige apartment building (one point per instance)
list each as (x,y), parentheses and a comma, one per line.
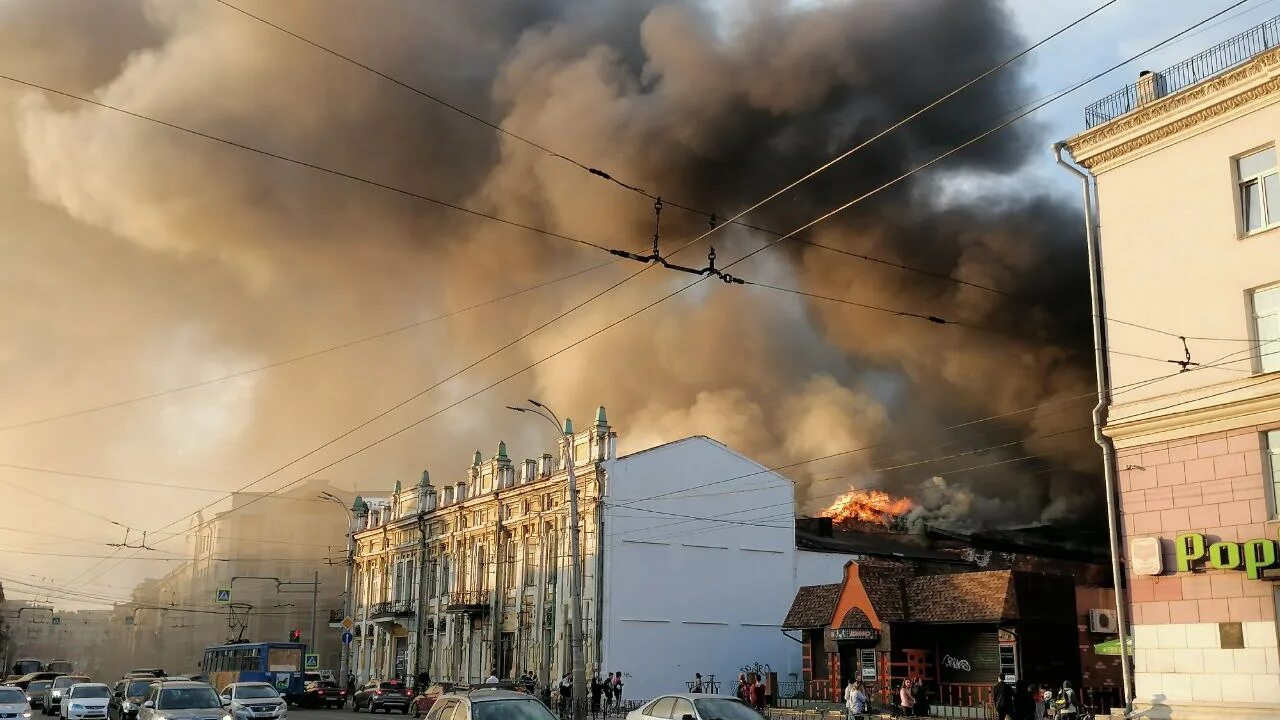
(1187,189)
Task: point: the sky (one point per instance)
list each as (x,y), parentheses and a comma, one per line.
(139,259)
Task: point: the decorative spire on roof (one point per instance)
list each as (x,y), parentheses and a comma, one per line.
(426,479)
(502,450)
(601,420)
(359,506)
(397,490)
(568,426)
(475,462)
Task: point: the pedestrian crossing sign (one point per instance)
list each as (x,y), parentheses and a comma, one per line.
(312,662)
(222,596)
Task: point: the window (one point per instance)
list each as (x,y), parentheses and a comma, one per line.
(1259,190)
(1266,326)
(509,566)
(1271,467)
(530,561)
(661,708)
(682,707)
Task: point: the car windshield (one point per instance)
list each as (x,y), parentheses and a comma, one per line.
(39,685)
(521,709)
(389,686)
(724,709)
(326,684)
(188,698)
(138,688)
(11,696)
(256,691)
(67,681)
(91,691)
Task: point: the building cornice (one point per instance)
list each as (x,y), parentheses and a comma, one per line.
(1255,407)
(1238,91)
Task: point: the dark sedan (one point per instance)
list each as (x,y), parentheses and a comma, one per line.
(127,697)
(323,693)
(35,693)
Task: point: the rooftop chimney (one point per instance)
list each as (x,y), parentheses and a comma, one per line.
(1150,87)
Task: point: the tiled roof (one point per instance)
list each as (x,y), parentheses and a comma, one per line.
(813,607)
(884,589)
(856,619)
(962,597)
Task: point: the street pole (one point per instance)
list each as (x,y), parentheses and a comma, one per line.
(344,652)
(315,602)
(577,654)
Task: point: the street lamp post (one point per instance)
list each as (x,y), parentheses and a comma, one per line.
(343,652)
(578,656)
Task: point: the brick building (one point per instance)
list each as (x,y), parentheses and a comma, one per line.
(1184,204)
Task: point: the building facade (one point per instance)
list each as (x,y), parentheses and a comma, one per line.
(1188,205)
(472,577)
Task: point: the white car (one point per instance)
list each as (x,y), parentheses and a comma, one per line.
(85,701)
(254,701)
(13,703)
(695,707)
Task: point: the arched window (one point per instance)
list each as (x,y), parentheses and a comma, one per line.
(444,576)
(481,578)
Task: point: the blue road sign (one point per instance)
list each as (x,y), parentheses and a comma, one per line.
(346,638)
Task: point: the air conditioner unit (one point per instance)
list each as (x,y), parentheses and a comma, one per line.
(1103,621)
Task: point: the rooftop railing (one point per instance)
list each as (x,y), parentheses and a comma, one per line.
(1220,57)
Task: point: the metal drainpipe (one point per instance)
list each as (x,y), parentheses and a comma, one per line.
(1103,369)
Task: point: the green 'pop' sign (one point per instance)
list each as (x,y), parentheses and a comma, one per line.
(1253,555)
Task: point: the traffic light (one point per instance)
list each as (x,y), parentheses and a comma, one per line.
(295,635)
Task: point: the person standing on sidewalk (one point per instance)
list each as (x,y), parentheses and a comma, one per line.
(696,685)
(1002,700)
(855,700)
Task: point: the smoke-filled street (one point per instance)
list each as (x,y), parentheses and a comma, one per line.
(885,357)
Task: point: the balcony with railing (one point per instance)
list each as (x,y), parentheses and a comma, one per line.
(390,610)
(1223,56)
(469,601)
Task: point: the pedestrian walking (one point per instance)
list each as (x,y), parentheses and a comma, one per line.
(617,688)
(696,685)
(597,690)
(855,700)
(566,693)
(1037,697)
(757,694)
(1066,705)
(741,691)
(1002,700)
(906,698)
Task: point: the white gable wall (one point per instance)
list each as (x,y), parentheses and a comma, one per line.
(687,595)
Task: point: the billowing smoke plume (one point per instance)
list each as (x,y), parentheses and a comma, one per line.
(199,259)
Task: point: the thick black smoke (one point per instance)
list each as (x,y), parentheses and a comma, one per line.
(235,260)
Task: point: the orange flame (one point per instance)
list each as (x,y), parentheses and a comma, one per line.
(870,506)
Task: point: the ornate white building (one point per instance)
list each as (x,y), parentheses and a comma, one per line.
(471,577)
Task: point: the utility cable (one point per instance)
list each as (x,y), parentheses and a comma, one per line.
(975,139)
(304,356)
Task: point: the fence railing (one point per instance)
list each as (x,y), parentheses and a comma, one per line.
(469,599)
(1199,67)
(391,608)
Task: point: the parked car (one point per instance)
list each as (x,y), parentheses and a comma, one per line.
(384,695)
(85,701)
(36,691)
(323,693)
(127,698)
(489,704)
(697,707)
(250,700)
(181,700)
(424,701)
(13,703)
(60,685)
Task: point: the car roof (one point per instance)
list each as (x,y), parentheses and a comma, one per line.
(697,696)
(489,694)
(182,684)
(91,684)
(250,684)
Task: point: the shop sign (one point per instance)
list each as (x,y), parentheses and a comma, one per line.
(836,634)
(1252,556)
